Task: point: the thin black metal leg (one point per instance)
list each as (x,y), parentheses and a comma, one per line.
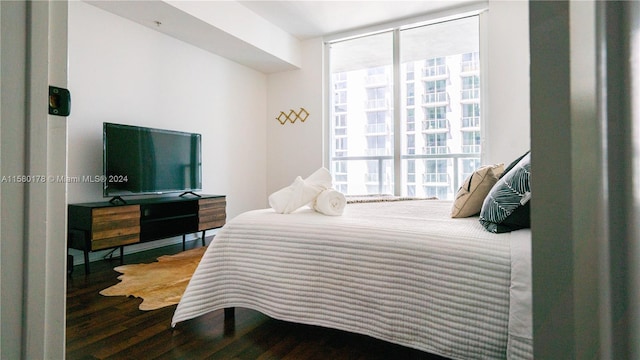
(86,261)
(229,322)
(229,313)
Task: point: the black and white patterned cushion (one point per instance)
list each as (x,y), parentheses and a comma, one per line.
(507,206)
(513,163)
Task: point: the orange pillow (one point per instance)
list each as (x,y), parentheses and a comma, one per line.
(475,188)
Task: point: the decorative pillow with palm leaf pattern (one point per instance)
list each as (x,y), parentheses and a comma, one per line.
(507,206)
(513,163)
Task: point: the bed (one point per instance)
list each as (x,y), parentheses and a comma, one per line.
(400,271)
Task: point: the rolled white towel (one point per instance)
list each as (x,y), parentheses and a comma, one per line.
(301,192)
(330,202)
(286,200)
(319,180)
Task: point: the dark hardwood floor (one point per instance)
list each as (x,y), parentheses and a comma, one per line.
(100,327)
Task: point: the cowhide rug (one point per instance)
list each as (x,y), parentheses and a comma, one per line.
(160,283)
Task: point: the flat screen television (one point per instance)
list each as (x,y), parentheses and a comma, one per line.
(141,161)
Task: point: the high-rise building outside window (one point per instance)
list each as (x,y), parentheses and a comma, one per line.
(423,140)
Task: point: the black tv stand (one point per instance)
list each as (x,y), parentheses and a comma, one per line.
(190,193)
(117,200)
(106,225)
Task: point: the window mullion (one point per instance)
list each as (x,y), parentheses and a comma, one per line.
(397,116)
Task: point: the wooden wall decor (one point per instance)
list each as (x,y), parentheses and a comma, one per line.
(292,116)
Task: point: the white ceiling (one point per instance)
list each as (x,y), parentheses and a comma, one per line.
(309,19)
(301,19)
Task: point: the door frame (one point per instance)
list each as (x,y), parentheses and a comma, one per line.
(33,200)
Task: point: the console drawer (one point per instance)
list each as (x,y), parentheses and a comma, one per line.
(115,226)
(211,213)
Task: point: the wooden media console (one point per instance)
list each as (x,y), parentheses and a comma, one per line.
(104,225)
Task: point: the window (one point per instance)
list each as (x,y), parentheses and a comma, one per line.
(435,67)
(436,144)
(411,144)
(471,115)
(435,118)
(411,172)
(470,87)
(410,94)
(470,62)
(411,120)
(435,91)
(436,178)
(471,142)
(376,122)
(411,178)
(341,144)
(377,98)
(340,125)
(432,135)
(410,75)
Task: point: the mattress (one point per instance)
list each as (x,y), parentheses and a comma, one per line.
(400,271)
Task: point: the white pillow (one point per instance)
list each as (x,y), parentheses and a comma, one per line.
(475,188)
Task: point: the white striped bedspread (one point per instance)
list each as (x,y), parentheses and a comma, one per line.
(400,271)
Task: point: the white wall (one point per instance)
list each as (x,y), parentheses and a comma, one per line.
(297,149)
(507,130)
(123,72)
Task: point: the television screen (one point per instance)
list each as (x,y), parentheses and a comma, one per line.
(139,160)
